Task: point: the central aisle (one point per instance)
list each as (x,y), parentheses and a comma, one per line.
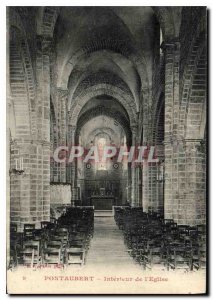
(107,247)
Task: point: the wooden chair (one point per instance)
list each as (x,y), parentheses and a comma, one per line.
(28,230)
(52,253)
(62,234)
(46,224)
(152,257)
(178,259)
(199,258)
(30,254)
(75,255)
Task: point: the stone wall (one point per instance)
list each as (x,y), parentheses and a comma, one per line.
(30,142)
(60,194)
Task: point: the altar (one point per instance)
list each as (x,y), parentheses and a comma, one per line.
(102,202)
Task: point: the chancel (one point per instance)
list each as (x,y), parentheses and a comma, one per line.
(124,84)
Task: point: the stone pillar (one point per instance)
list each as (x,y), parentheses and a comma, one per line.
(43,87)
(62,128)
(146,139)
(72,167)
(129,182)
(192,183)
(184,159)
(140,187)
(172,57)
(30,189)
(41,147)
(134,194)
(145,186)
(153,197)
(149,186)
(137,171)
(160,186)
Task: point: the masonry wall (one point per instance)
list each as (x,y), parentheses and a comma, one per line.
(30,143)
(185,104)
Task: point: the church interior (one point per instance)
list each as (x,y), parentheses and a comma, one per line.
(97,76)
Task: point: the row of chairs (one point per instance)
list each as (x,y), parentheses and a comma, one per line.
(63,241)
(153,240)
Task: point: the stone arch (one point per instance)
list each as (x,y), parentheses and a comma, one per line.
(18,40)
(102,37)
(158,125)
(19,86)
(101,110)
(113,46)
(95,66)
(102,77)
(102,89)
(195,113)
(169,19)
(106,130)
(12,120)
(192,42)
(53,125)
(46,19)
(15,21)
(53,140)
(193,82)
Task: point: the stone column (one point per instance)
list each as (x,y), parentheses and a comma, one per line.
(140,187)
(171,136)
(62,127)
(42,145)
(72,173)
(44,46)
(192,183)
(145,186)
(129,182)
(30,188)
(134,198)
(153,197)
(146,139)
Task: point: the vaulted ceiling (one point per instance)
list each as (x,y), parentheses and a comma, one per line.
(107,52)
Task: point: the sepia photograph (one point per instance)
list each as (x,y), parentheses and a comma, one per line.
(107,150)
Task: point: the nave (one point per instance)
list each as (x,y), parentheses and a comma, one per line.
(107,249)
(126,238)
(84,80)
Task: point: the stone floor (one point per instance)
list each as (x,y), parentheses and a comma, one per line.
(107,247)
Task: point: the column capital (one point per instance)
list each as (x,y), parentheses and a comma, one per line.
(44,44)
(196,145)
(72,127)
(134,128)
(174,139)
(146,91)
(62,93)
(170,45)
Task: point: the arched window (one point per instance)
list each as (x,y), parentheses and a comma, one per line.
(101,144)
(161,41)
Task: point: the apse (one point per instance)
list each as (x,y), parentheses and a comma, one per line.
(102,184)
